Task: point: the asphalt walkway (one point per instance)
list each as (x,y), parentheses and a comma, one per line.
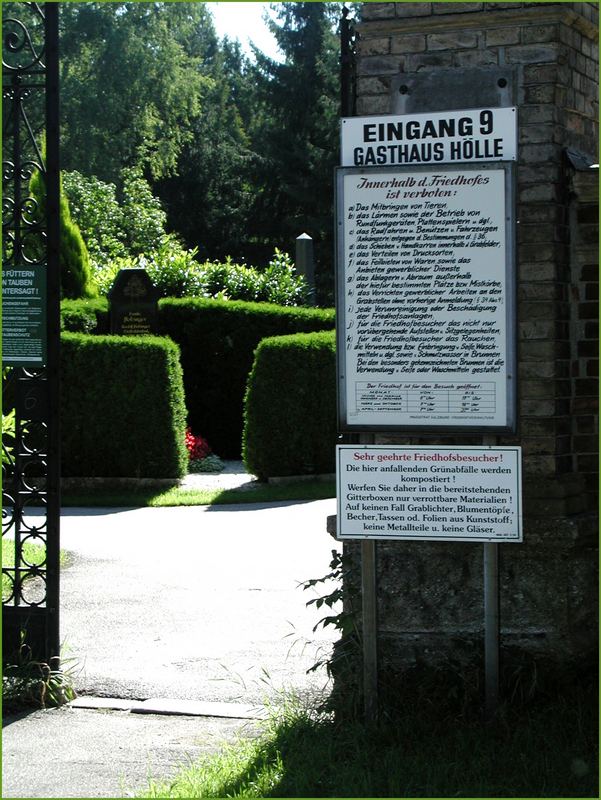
(181,622)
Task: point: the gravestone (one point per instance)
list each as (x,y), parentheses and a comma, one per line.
(133,304)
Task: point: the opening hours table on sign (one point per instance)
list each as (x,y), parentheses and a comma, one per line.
(438,398)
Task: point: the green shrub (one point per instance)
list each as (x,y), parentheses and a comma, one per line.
(122,407)
(85,316)
(228,281)
(290,406)
(144,220)
(115,226)
(278,284)
(105,273)
(217,341)
(176,273)
(95,208)
(172,268)
(281,284)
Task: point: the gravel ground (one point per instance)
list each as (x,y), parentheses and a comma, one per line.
(232,476)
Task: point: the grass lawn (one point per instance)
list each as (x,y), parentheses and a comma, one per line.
(262,493)
(547,750)
(32,553)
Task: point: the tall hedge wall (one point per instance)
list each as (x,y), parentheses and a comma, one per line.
(217,341)
(123,410)
(290,406)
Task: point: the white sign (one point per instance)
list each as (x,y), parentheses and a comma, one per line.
(485,134)
(460,494)
(424,300)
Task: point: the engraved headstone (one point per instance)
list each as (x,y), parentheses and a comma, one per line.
(133,299)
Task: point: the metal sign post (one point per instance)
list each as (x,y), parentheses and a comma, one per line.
(369,599)
(491,619)
(491,628)
(370,630)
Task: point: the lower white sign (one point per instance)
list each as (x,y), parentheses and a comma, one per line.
(460,494)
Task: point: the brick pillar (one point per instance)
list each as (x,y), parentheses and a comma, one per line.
(430,600)
(584,332)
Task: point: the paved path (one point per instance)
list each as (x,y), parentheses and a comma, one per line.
(64,752)
(194,603)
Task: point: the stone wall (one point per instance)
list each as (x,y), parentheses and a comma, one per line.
(430,598)
(584,334)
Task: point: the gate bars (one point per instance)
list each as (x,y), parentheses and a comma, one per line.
(348,38)
(30,238)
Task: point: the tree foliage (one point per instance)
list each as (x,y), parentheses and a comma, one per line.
(116,224)
(131,83)
(240,151)
(209,198)
(295,128)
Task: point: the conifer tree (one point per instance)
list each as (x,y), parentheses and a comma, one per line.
(74,262)
(295,129)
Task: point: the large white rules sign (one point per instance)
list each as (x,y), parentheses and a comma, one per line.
(426,298)
(461,494)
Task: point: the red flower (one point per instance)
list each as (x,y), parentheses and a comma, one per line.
(198,447)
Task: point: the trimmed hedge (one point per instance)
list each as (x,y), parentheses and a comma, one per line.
(122,407)
(290,406)
(85,316)
(217,340)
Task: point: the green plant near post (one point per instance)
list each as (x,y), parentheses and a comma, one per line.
(281,284)
(28,682)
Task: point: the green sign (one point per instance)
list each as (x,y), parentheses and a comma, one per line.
(24,316)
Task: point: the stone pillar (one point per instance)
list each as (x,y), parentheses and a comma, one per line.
(431,594)
(584,332)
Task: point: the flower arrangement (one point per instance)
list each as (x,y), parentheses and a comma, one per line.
(201,458)
(197,446)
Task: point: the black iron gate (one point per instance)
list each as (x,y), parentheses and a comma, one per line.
(30,336)
(348,93)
